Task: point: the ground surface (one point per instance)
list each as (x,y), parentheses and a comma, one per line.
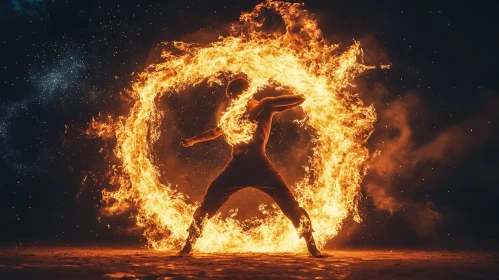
(97,263)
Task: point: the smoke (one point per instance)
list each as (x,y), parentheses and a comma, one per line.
(401,168)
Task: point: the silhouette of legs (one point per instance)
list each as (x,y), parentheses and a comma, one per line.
(219,191)
(259,173)
(275,187)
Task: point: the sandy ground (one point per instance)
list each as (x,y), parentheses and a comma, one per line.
(101,262)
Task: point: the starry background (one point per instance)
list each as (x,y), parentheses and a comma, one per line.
(65,61)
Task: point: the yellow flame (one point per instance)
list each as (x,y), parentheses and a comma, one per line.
(298,58)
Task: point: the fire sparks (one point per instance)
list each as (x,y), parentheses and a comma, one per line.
(297,58)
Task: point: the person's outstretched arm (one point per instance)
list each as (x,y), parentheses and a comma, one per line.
(283,102)
(205,136)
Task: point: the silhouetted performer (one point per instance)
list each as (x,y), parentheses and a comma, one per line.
(249,167)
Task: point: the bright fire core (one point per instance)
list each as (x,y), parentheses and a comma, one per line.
(295,57)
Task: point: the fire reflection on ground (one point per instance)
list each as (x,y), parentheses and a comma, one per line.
(102,262)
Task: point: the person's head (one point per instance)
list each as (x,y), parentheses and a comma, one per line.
(235,87)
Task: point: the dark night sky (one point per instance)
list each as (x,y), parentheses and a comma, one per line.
(65,61)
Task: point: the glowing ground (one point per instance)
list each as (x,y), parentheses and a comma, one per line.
(101,262)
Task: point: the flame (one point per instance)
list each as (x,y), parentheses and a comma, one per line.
(102,127)
(298,58)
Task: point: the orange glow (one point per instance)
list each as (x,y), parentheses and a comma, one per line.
(299,59)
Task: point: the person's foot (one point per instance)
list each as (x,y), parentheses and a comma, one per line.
(186,251)
(312,248)
(318,254)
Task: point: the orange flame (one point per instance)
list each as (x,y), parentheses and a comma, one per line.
(298,58)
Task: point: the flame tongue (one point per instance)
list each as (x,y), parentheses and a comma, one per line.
(298,58)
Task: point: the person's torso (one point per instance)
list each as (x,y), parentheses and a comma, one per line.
(261,135)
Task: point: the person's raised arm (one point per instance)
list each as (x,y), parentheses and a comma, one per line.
(283,102)
(205,136)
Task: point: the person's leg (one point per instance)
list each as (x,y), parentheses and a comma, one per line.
(217,194)
(275,186)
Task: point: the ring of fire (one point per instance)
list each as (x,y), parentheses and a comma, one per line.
(297,57)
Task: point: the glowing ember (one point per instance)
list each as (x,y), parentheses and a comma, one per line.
(297,58)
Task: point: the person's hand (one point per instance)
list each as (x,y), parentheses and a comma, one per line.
(186,142)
